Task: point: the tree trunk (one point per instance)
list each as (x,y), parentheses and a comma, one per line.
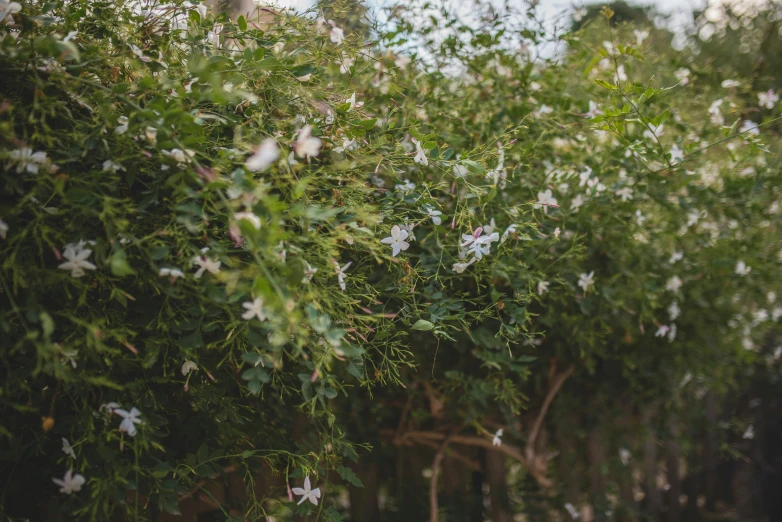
(710,453)
(496,474)
(652,500)
(672,465)
(597,458)
(364,501)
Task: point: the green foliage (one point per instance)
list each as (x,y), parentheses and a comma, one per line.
(251,232)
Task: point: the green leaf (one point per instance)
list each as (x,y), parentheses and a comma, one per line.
(119,264)
(316,213)
(474,167)
(349,475)
(368,124)
(422,325)
(242,22)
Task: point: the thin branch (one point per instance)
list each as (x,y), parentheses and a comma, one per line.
(438,460)
(559,380)
(452,453)
(403,417)
(422,437)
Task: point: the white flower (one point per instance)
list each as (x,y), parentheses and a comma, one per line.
(576,203)
(572,511)
(586,281)
(353,103)
(206,264)
(676,256)
(715,116)
(640,36)
(545,200)
(174,273)
(3,229)
(624,456)
(461,267)
(337,35)
(479,245)
(768,99)
(460,171)
(341,273)
(512,230)
(742,268)
(727,84)
(306,145)
(70,483)
(497,440)
(347,144)
(7,9)
(396,240)
(151,134)
(771,296)
(249,216)
(129,420)
(189,366)
(434,214)
(69,357)
(583,177)
(625,193)
(499,171)
(109,407)
(254,309)
(749,433)
(543,287)
(122,128)
(28,160)
(308,273)
(264,157)
(307,493)
(677,155)
(674,311)
(76,260)
(594,110)
(67,448)
(683,75)
(420,156)
(662,330)
(750,127)
(673,284)
(406,187)
(346,64)
(110,166)
(653,131)
(180,156)
(557,232)
(621,75)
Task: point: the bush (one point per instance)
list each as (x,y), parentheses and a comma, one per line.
(258,248)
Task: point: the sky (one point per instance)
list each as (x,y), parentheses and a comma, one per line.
(555,8)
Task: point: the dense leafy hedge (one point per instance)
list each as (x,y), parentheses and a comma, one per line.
(240,246)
